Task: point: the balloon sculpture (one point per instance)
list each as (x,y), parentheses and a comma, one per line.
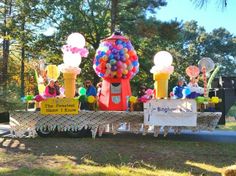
(73,51)
(116,62)
(161,73)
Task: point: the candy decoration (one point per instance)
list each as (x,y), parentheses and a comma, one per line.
(204,81)
(192,71)
(116,58)
(207,63)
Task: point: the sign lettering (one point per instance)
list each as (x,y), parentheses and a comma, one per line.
(59,106)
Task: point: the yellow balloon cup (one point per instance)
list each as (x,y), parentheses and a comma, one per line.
(161,84)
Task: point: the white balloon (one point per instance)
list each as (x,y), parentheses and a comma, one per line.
(70,59)
(76,40)
(163,59)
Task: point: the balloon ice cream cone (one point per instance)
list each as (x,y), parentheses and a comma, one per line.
(161,84)
(161,73)
(73,51)
(69,84)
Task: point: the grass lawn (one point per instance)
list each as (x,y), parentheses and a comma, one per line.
(123,154)
(229,126)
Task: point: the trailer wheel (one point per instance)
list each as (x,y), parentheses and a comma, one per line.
(80,133)
(44,133)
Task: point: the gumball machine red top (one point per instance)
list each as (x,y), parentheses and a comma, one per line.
(116,62)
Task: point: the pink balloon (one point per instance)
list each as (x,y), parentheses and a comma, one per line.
(119,64)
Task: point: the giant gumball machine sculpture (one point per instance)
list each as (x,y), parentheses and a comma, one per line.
(116,62)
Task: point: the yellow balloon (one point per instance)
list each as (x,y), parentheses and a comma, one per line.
(41,88)
(91,99)
(125,72)
(133,99)
(215,100)
(52,72)
(114,73)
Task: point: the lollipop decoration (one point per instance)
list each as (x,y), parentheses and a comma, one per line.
(192,71)
(73,51)
(206,65)
(161,73)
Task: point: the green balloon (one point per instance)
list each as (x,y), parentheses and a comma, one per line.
(82,91)
(200,99)
(29,97)
(83,98)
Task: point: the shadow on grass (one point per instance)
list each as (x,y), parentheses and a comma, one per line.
(133,151)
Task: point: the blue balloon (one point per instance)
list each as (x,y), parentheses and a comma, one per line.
(101,74)
(23,99)
(111,56)
(135,63)
(121,52)
(103,53)
(118,42)
(98,56)
(186,91)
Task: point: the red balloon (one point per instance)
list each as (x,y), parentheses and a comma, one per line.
(134,69)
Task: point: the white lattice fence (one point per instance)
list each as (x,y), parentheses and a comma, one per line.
(25,124)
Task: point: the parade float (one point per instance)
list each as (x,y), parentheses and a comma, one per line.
(116,62)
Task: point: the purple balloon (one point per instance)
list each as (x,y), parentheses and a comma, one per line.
(113,68)
(123,59)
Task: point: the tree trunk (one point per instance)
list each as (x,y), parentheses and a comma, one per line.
(114,9)
(22,73)
(6,44)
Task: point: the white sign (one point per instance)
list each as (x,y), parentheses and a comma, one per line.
(179,112)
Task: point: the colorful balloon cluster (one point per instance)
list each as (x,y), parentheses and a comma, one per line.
(116,59)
